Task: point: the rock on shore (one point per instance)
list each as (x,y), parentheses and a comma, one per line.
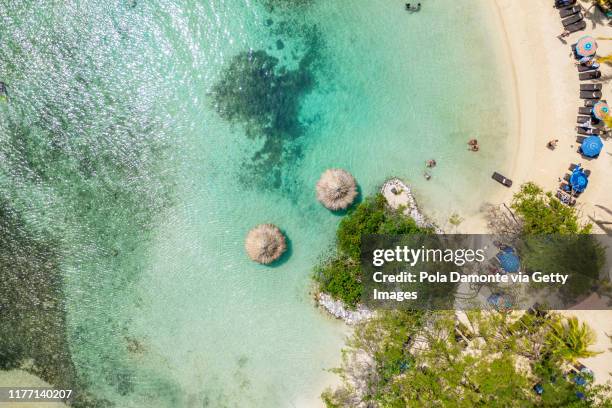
(337,309)
(398,194)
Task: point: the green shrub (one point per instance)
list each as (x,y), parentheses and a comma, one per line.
(339,275)
(371,217)
(542,213)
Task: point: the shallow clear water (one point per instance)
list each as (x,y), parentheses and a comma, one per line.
(120,145)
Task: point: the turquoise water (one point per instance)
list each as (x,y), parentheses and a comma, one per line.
(144,139)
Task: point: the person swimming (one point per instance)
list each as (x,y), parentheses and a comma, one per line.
(3,92)
(411,8)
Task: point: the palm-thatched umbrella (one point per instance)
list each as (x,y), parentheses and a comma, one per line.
(265,243)
(336,189)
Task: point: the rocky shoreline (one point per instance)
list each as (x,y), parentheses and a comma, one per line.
(338,309)
(398,195)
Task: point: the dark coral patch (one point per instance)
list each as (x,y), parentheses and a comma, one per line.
(266,97)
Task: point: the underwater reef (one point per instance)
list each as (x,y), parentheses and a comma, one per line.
(260,92)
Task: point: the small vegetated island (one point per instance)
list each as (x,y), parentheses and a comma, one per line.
(338,275)
(446,358)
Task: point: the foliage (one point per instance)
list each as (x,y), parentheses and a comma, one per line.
(371,217)
(541,213)
(414,359)
(455,219)
(338,276)
(570,340)
(580,256)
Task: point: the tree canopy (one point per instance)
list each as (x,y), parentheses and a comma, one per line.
(417,359)
(542,213)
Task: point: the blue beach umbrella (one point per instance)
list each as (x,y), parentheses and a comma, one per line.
(580,380)
(601,110)
(509,261)
(499,301)
(586,46)
(591,146)
(538,388)
(578,180)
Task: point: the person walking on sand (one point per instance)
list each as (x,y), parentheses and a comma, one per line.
(552,144)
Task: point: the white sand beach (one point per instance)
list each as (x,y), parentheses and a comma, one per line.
(547,91)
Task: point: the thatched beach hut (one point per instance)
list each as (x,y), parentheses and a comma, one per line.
(265,243)
(336,189)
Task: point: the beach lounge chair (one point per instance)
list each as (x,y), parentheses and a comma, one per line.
(501,179)
(568,11)
(591,131)
(590,103)
(590,87)
(572,20)
(583,119)
(590,95)
(586,76)
(581,25)
(585,68)
(584,110)
(580,139)
(564,186)
(564,4)
(566,198)
(583,369)
(573,166)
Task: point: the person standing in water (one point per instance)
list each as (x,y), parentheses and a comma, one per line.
(412,8)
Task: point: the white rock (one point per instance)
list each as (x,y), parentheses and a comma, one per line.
(338,309)
(402,197)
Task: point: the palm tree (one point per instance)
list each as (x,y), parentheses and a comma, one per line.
(570,340)
(604,5)
(606,59)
